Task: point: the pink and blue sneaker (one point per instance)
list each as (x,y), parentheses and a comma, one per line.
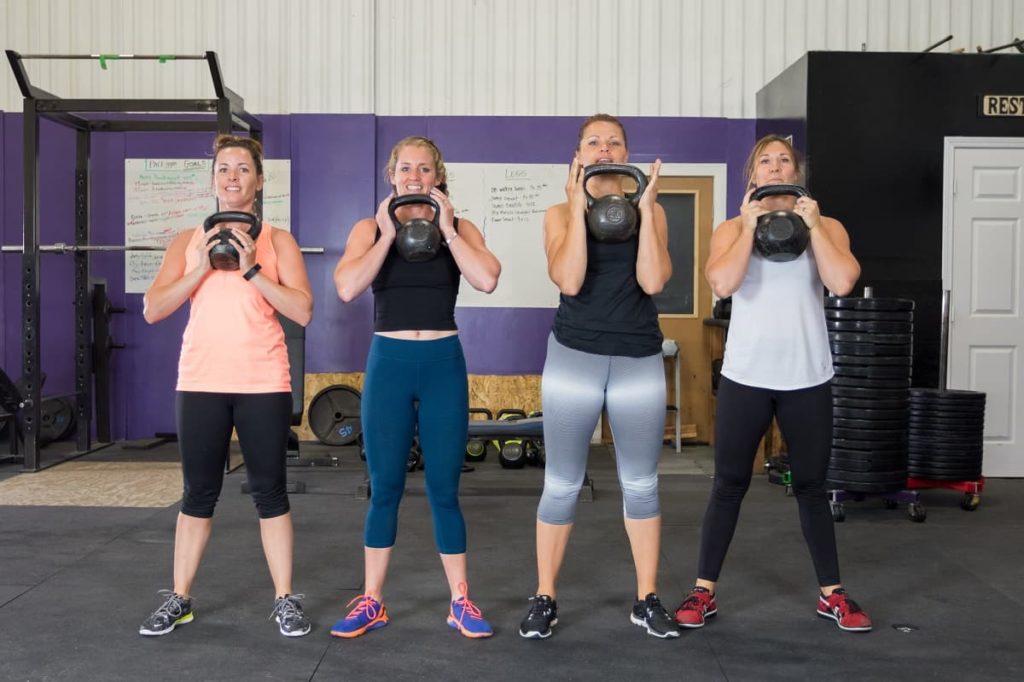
(465,617)
(368,614)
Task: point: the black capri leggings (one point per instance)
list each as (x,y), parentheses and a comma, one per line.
(805,419)
(204,424)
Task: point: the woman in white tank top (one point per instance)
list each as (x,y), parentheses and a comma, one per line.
(777,362)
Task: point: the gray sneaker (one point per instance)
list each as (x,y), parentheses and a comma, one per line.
(176,610)
(289,615)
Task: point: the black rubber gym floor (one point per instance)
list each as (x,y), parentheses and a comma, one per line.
(945,594)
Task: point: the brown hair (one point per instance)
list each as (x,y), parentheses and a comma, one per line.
(759,147)
(418,141)
(604,118)
(254,148)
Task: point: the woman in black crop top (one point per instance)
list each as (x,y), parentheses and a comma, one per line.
(415,357)
(604,352)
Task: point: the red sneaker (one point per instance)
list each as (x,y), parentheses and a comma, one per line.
(698,605)
(844,611)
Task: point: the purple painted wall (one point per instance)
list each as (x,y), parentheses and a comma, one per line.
(336,180)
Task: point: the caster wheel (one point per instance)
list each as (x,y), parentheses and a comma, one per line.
(838,512)
(789,491)
(917,512)
(970,501)
(476,450)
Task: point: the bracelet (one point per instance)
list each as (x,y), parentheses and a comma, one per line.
(448,242)
(252,272)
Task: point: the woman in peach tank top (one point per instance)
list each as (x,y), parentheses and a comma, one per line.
(232,374)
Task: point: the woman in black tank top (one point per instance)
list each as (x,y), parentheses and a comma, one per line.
(605,352)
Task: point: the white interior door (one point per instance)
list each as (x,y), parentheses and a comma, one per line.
(983,253)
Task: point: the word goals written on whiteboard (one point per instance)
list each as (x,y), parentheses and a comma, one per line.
(507,202)
(162,197)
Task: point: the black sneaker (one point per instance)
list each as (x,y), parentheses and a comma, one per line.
(176,610)
(543,614)
(289,615)
(650,614)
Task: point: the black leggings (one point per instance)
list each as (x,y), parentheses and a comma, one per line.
(744,414)
(205,421)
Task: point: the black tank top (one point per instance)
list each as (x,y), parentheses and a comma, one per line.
(416,295)
(611,315)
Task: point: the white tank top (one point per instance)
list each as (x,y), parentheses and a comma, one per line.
(777,335)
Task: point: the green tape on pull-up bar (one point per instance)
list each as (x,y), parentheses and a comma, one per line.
(166,58)
(105,57)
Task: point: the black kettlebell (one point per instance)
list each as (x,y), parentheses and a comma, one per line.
(419,239)
(780,236)
(614,218)
(224,255)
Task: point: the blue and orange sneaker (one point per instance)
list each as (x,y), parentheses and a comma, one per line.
(368,614)
(465,617)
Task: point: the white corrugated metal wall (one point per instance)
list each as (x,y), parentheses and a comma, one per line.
(476,57)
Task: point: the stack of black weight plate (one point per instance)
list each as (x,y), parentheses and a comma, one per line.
(946,430)
(872,344)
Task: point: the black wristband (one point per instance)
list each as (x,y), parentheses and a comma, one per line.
(252,272)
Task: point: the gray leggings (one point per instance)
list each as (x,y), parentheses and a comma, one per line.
(574,388)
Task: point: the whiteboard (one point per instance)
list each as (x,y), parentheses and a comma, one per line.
(162,197)
(507,202)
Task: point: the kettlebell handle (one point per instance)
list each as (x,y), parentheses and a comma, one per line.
(229,217)
(410,199)
(776,190)
(616,169)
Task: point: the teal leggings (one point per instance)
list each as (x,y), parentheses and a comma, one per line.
(398,374)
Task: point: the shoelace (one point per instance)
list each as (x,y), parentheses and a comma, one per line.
(288,607)
(845,605)
(173,606)
(367,605)
(468,607)
(696,600)
(541,607)
(654,607)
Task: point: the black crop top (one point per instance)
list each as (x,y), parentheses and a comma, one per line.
(418,296)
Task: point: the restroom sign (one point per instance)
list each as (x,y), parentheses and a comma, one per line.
(1001,105)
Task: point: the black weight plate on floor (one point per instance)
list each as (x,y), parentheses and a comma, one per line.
(954,416)
(886,349)
(963,474)
(850,370)
(926,452)
(886,424)
(868,476)
(950,463)
(869,393)
(887,415)
(942,428)
(920,434)
(922,437)
(866,488)
(870,327)
(951,420)
(854,303)
(873,435)
(935,396)
(876,461)
(868,445)
(870,338)
(869,315)
(846,453)
(873,360)
(865,466)
(861,382)
(859,404)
